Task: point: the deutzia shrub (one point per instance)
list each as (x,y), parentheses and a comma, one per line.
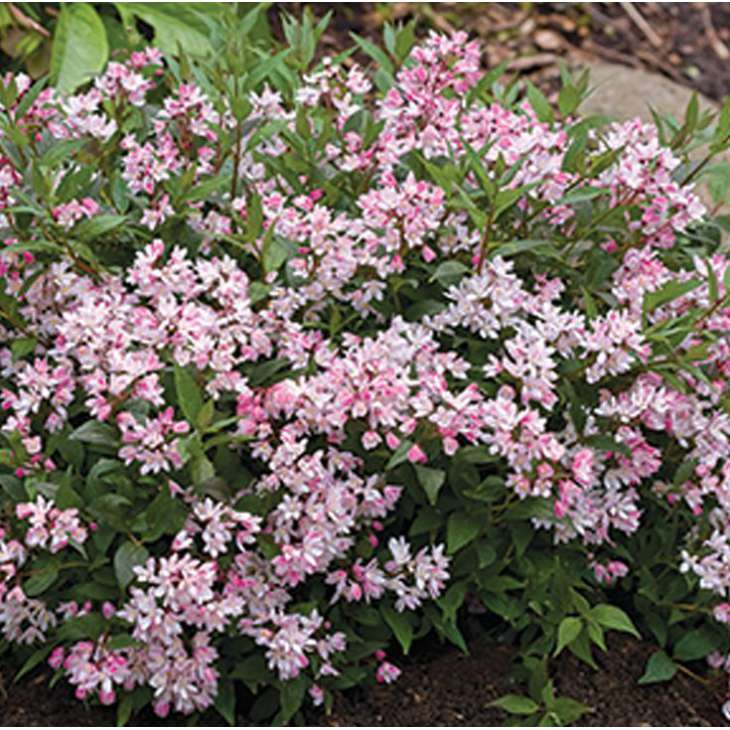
(303,361)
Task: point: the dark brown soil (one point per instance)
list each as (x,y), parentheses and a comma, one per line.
(456,690)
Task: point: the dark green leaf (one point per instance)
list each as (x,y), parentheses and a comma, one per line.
(461,529)
(127,557)
(431,480)
(400,625)
(189,395)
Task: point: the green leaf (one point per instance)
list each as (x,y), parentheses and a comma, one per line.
(399,455)
(569,710)
(189,395)
(251,669)
(225,701)
(694,645)
(511,248)
(669,292)
(606,443)
(98,225)
(400,625)
(276,250)
(539,103)
(13,487)
(97,433)
(568,100)
(23,346)
(568,630)
(124,709)
(174,23)
(88,626)
(684,471)
(80,48)
(292,696)
(431,480)
(613,617)
(461,529)
(127,557)
(449,272)
(40,580)
(452,600)
(659,668)
(33,661)
(516,704)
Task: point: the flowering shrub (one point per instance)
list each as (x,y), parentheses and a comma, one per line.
(303,358)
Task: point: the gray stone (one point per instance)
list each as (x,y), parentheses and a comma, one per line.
(623,92)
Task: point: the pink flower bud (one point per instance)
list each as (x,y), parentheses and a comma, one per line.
(57,657)
(107,697)
(392,440)
(161,709)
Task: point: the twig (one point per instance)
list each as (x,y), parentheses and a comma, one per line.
(721,50)
(534,61)
(611,54)
(642,24)
(26,21)
(652,59)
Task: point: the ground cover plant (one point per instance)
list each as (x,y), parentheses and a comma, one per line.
(304,360)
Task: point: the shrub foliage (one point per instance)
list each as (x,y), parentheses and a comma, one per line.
(305,360)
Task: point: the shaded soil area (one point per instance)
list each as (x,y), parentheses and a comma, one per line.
(439,687)
(454,689)
(686,42)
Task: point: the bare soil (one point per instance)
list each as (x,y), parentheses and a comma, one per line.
(454,689)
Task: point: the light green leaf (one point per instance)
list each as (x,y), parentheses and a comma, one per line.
(97,433)
(569,710)
(568,630)
(516,704)
(613,617)
(174,23)
(399,455)
(80,47)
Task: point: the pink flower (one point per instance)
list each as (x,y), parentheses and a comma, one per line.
(387,673)
(416,455)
